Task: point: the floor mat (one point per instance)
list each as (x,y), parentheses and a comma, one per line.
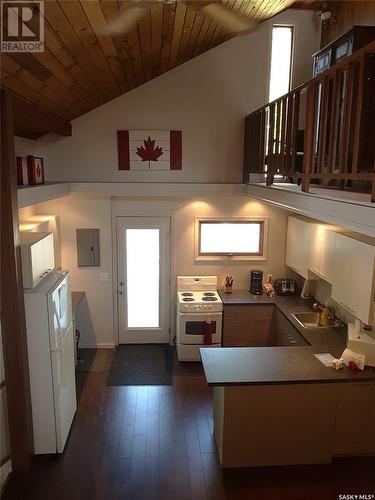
(142,364)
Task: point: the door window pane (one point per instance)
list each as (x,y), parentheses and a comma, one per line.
(143,277)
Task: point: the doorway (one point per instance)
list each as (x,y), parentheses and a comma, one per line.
(143,273)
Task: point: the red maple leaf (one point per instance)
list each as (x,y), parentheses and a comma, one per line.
(149,152)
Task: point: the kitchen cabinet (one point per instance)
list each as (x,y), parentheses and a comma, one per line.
(353,277)
(37,256)
(283,332)
(247,325)
(298,247)
(355,419)
(264,425)
(322,254)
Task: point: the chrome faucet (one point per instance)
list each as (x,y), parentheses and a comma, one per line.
(317,306)
(329,319)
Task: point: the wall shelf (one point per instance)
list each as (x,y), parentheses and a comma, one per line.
(30,195)
(352,214)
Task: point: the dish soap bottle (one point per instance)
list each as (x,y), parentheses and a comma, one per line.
(325,315)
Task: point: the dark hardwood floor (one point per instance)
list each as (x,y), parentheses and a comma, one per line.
(150,442)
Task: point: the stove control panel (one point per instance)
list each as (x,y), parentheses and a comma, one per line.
(201,307)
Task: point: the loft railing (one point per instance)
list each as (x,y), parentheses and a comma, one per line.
(321,133)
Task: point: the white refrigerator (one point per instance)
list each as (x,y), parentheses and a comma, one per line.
(50,344)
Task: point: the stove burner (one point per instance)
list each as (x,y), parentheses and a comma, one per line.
(209,294)
(209,299)
(187,294)
(188,299)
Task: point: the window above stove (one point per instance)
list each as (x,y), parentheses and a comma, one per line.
(231,238)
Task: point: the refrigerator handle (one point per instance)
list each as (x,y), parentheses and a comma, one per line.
(59,325)
(60,349)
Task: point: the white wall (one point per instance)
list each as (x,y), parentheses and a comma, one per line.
(87,212)
(25,146)
(207,98)
(99,327)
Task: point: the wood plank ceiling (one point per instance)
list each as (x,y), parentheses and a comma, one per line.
(81,69)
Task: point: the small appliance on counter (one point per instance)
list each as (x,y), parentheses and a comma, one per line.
(285,286)
(256,282)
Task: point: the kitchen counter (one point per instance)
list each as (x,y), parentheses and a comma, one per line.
(279,365)
(281,405)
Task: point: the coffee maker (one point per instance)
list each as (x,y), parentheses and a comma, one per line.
(256,282)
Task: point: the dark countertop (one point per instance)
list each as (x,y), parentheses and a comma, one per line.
(279,365)
(243,297)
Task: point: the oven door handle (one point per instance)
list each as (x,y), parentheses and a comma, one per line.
(200,314)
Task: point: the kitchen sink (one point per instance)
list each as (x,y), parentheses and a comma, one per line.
(311,320)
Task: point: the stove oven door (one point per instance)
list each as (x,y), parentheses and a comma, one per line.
(192,326)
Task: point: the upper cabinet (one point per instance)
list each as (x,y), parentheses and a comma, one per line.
(37,255)
(298,249)
(353,277)
(346,263)
(322,251)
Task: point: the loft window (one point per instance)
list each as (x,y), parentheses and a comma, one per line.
(281,61)
(238,239)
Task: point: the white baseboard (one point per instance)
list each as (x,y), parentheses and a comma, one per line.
(5,470)
(100,345)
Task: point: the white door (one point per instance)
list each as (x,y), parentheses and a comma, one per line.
(143,272)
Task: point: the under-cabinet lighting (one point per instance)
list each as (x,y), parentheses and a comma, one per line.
(27,226)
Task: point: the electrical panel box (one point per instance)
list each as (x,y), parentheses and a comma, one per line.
(88,248)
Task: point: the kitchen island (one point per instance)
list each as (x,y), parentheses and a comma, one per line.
(281,405)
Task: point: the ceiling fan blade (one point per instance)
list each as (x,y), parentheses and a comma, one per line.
(124,22)
(231,21)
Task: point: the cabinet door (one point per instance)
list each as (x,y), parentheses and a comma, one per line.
(322,251)
(327,255)
(284,333)
(351,419)
(49,253)
(353,274)
(298,246)
(37,261)
(262,322)
(238,326)
(247,325)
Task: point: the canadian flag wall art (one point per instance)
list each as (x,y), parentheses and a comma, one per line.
(149,149)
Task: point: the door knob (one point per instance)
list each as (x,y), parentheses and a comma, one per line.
(121,292)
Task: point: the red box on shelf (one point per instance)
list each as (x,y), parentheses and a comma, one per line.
(35,169)
(22,171)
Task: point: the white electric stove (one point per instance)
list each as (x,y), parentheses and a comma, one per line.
(199,316)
